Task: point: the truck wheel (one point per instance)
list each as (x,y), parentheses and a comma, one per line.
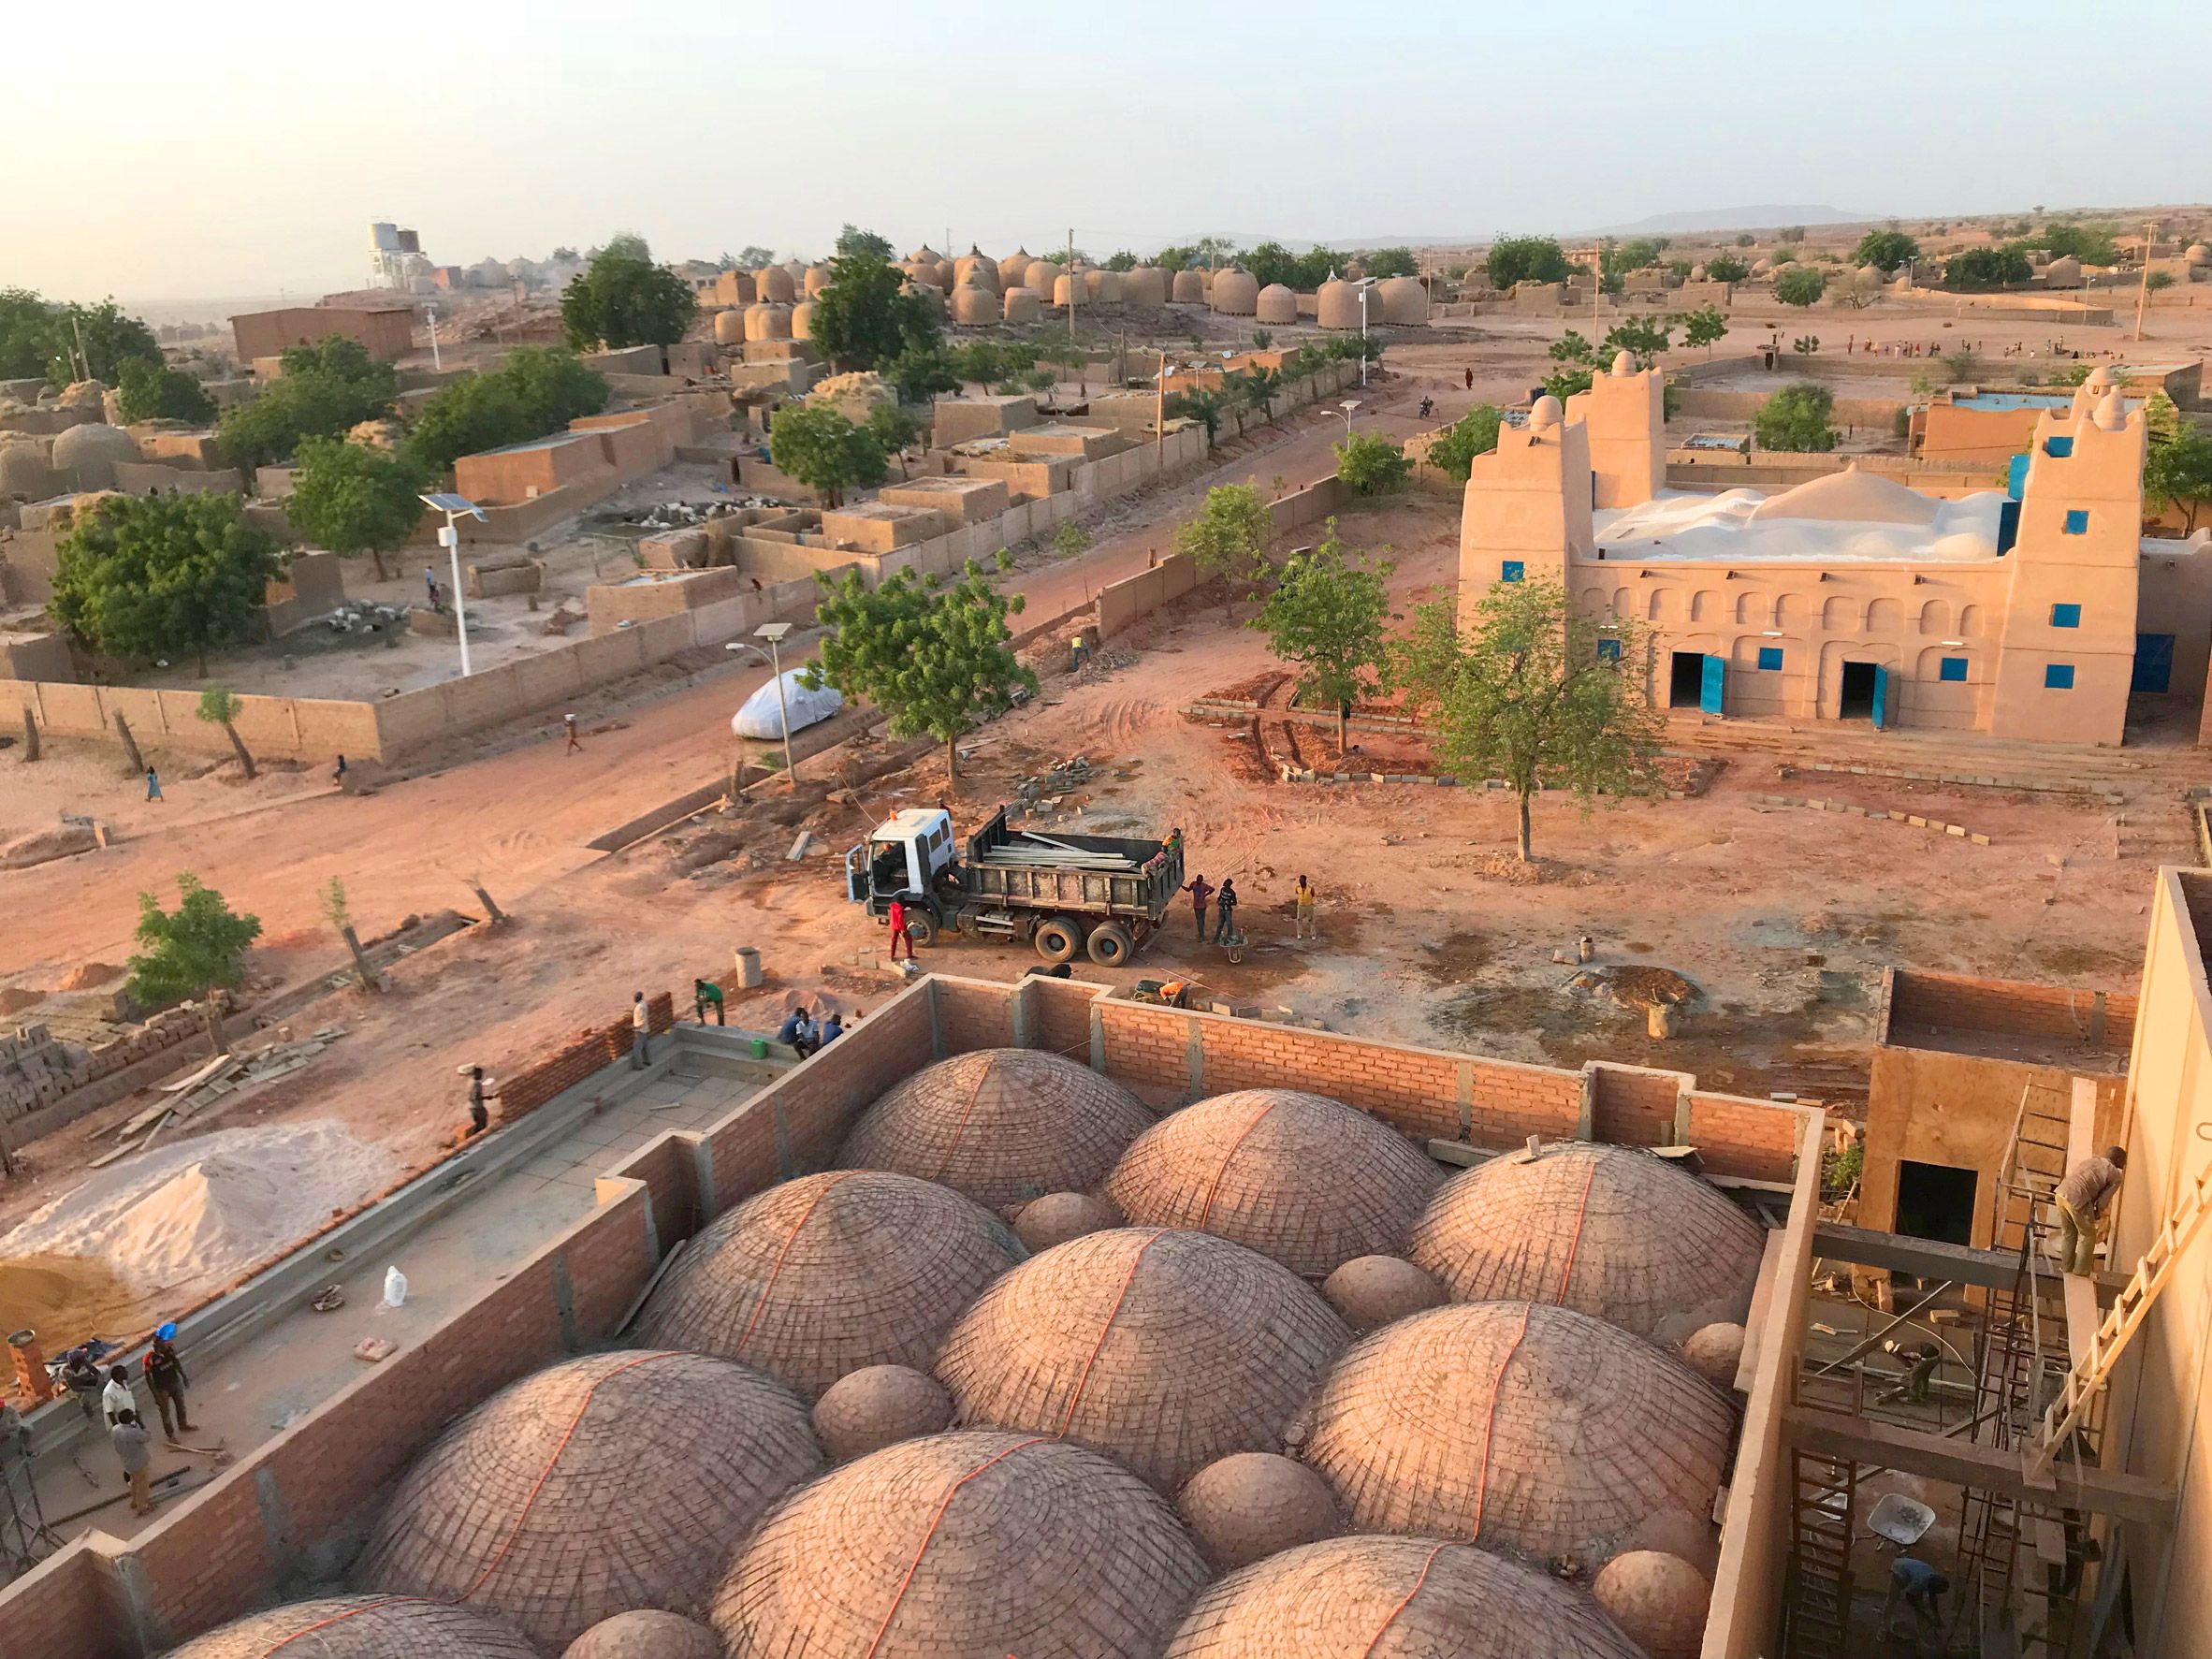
(1111,947)
(922,929)
(1057,941)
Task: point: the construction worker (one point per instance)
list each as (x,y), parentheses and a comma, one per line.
(2082,1198)
(1225,907)
(796,1029)
(81,1377)
(568,724)
(1917,1585)
(705,994)
(1302,899)
(1918,1378)
(896,917)
(479,1115)
(131,1445)
(641,1032)
(116,1400)
(164,1375)
(1201,891)
(829,1030)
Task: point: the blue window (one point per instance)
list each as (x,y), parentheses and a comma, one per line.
(2057,447)
(1609,651)
(1951,668)
(1770,656)
(2078,521)
(2066,616)
(1513,572)
(2058,677)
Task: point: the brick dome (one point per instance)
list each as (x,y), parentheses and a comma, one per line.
(1660,1600)
(1395,1598)
(928,292)
(802,320)
(1233,293)
(879,1405)
(1337,305)
(729,327)
(1023,305)
(1040,274)
(974,302)
(1404,301)
(566,1498)
(647,1634)
(773,283)
(1255,1504)
(1189,289)
(1058,1217)
(1369,1291)
(1275,304)
(1521,1426)
(362,1627)
(1165,1349)
(1145,284)
(1608,1231)
(1305,1180)
(1715,1352)
(1101,286)
(826,1273)
(980,266)
(1001,1125)
(964,1545)
(24,469)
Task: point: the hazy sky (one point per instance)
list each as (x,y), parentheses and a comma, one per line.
(238,147)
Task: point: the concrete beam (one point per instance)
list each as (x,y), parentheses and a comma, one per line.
(1927,1259)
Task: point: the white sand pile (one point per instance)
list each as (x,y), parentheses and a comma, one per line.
(201,1213)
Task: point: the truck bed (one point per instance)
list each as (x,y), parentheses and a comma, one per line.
(1033,870)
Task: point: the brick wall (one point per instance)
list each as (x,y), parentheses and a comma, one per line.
(669,1171)
(1508,1103)
(1414,1090)
(1060,1017)
(1745,1138)
(973,1014)
(1634,1107)
(62,1609)
(1147,1046)
(578,1058)
(1960,1002)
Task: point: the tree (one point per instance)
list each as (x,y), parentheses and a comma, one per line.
(1263,339)
(1800,286)
(752,257)
(1371,464)
(1745,239)
(1255,390)
(1529,696)
(322,392)
(567,256)
(551,386)
(1986,268)
(980,361)
(864,319)
(2157,280)
(1796,418)
(1805,344)
(1120,260)
(1200,403)
(1524,259)
(152,391)
(1476,432)
(352,499)
(895,431)
(222,707)
(1962,366)
(935,661)
(1728,269)
(1703,327)
(921,372)
(145,576)
(1389,262)
(622,299)
(1230,535)
(1070,539)
(856,243)
(1885,249)
(1790,233)
(536,391)
(2092,244)
(192,952)
(1643,339)
(816,444)
(2177,473)
(1326,616)
(340,915)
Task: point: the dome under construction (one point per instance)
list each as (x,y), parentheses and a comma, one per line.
(362,1627)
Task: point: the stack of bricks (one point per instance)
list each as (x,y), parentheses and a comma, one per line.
(577,1059)
(38,1068)
(35,1071)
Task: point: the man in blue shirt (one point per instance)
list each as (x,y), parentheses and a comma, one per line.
(1919,1584)
(796,1029)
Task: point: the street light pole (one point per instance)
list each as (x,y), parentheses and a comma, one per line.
(436,363)
(773,633)
(1363,289)
(1345,409)
(453,507)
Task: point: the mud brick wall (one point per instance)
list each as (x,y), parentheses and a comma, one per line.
(577,1059)
(1060,1017)
(669,1171)
(1144,1045)
(1960,1002)
(1745,1138)
(1632,1106)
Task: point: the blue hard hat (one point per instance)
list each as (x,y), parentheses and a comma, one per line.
(166,1331)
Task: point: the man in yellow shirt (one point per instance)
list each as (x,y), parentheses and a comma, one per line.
(1302,897)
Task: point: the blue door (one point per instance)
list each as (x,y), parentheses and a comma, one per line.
(1713,685)
(1881,699)
(2154,662)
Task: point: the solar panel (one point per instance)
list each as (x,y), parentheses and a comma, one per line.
(454,504)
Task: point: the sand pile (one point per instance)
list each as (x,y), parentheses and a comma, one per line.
(85,975)
(185,1220)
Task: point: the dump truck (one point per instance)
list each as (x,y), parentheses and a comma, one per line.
(1100,895)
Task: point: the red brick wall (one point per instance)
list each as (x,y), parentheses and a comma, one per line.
(1960,1002)
(1060,1017)
(578,1058)
(1147,1045)
(607,1265)
(668,1169)
(1411,1089)
(216,1567)
(970,1015)
(1744,1138)
(1633,1107)
(60,1609)
(1513,1102)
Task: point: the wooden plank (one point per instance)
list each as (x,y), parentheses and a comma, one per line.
(2082,1318)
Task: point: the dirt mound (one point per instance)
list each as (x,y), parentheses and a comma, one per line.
(85,975)
(15,998)
(40,846)
(1641,986)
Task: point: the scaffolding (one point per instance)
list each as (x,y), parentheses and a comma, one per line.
(26,1540)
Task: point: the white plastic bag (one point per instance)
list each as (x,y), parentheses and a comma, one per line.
(395,1287)
(759,717)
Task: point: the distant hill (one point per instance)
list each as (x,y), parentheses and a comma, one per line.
(1764,216)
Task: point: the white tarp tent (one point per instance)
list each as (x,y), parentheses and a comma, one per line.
(759,717)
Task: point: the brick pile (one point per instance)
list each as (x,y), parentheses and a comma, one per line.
(38,1069)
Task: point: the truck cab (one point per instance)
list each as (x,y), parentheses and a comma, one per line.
(901,857)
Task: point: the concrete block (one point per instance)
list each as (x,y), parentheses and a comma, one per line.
(1979,841)
(1917,822)
(1955,829)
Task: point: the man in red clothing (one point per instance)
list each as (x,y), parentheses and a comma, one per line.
(896,915)
(1199,891)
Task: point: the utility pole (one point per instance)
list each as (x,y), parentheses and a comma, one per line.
(1160,407)
(2150,235)
(1075,284)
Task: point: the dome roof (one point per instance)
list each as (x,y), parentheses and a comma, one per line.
(647,1634)
(802,320)
(1524,1427)
(1023,305)
(1715,1352)
(1040,274)
(1608,1231)
(816,279)
(2111,414)
(1189,289)
(1102,287)
(1058,1217)
(1336,305)
(1405,300)
(961,1545)
(879,1405)
(2197,254)
(974,304)
(1001,1125)
(767,320)
(1145,284)
(823,1274)
(930,292)
(1395,1598)
(1277,304)
(1233,293)
(91,450)
(2099,378)
(1303,1179)
(1369,1291)
(978,266)
(24,469)
(772,283)
(362,1627)
(1660,1601)
(576,1464)
(1865,498)
(1253,1504)
(1166,1350)
(1544,414)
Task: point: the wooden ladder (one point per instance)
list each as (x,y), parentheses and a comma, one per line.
(1816,1620)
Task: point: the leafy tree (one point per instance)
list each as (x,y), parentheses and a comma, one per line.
(1643,339)
(816,444)
(536,390)
(921,372)
(936,660)
(353,499)
(1256,389)
(2177,473)
(1230,534)
(1263,339)
(1805,344)
(1986,268)
(221,707)
(865,320)
(752,257)
(1200,403)
(1371,464)
(1800,286)
(1703,327)
(322,392)
(1796,418)
(1271,263)
(196,949)
(552,387)
(152,391)
(1070,539)
(27,343)
(1524,259)
(856,243)
(1744,239)
(2071,374)
(980,361)
(567,256)
(2092,244)
(1389,262)
(1527,696)
(1476,432)
(1885,249)
(1120,260)
(1726,269)
(1790,233)
(894,429)
(622,299)
(144,576)
(1962,366)
(1326,616)
(2157,280)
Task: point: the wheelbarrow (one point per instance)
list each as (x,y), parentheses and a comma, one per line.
(1901,1520)
(1233,943)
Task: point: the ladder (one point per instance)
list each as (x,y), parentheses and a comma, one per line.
(1816,1617)
(2130,1308)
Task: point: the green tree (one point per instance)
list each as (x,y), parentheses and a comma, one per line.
(1986,268)
(1263,339)
(936,660)
(551,386)
(622,299)
(1256,392)
(1886,251)
(864,319)
(979,361)
(352,499)
(921,372)
(1230,535)
(1326,616)
(1704,327)
(1389,262)
(1644,339)
(1070,539)
(1726,269)
(1474,434)
(1271,263)
(1800,286)
(750,257)
(1527,696)
(222,707)
(1371,464)
(1790,233)
(322,391)
(536,391)
(1963,366)
(1745,239)
(190,952)
(1200,403)
(817,445)
(1806,344)
(856,243)
(1120,260)
(1524,259)
(1796,418)
(2177,473)
(2158,280)
(2092,244)
(895,431)
(27,341)
(140,577)
(98,338)
(152,391)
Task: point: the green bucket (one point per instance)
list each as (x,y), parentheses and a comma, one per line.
(760,1048)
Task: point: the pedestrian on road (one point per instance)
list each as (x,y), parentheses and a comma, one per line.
(152,784)
(1470,380)
(2081,1199)
(338,776)
(430,581)
(1200,893)
(568,724)
(479,1115)
(705,994)
(1302,899)
(1917,1585)
(116,1400)
(164,1375)
(131,1446)
(896,916)
(1224,908)
(641,1032)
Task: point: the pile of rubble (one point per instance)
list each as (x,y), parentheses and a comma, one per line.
(366,617)
(1050,785)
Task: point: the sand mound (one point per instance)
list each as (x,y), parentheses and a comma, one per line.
(85,975)
(196,1215)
